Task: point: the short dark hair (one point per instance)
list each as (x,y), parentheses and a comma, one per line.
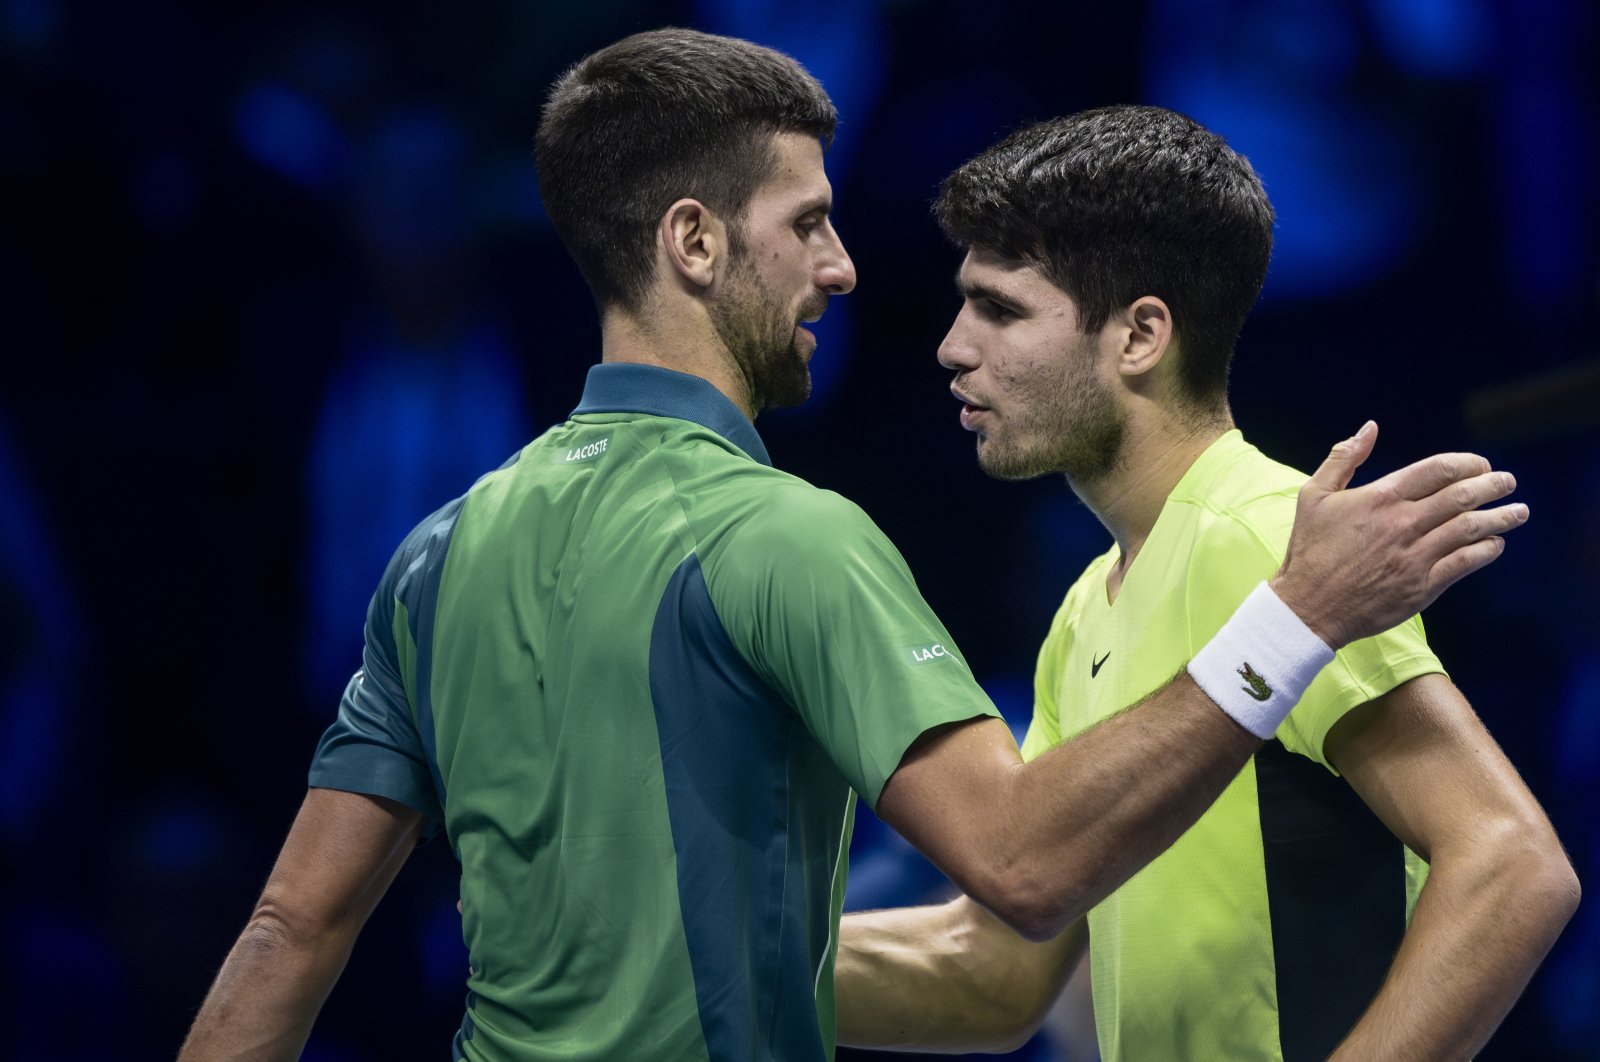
(654,118)
(1122,202)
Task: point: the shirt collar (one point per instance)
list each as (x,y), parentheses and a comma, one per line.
(650,389)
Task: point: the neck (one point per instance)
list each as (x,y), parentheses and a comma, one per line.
(1157,451)
(687,344)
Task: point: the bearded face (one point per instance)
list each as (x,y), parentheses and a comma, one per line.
(761,331)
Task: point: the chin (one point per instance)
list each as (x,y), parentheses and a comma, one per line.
(789,391)
(1002,464)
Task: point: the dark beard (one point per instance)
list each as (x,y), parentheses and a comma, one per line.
(759,333)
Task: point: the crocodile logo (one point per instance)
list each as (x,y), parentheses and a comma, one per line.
(1256,685)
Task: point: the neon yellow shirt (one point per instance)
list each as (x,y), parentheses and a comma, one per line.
(1266,930)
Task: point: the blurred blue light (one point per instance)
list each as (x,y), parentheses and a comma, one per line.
(29,25)
(36,705)
(1340,174)
(1433,38)
(1548,164)
(404,427)
(291,135)
(32,740)
(1319,41)
(182,838)
(444,953)
(412,197)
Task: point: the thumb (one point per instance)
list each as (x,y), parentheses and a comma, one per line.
(1341,464)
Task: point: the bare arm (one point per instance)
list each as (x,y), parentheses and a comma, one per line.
(1499,888)
(340,858)
(948,978)
(1039,844)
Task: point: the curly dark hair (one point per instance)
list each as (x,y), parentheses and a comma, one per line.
(1121,202)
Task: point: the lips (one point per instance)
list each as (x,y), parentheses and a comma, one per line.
(971,411)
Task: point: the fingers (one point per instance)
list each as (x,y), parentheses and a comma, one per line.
(1463,496)
(1477,525)
(1432,475)
(1342,462)
(1460,564)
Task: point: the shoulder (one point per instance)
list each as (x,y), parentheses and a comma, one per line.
(786,515)
(421,554)
(1236,520)
(424,548)
(783,541)
(1243,509)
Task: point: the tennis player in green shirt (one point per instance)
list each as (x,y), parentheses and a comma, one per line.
(637,676)
(1377,882)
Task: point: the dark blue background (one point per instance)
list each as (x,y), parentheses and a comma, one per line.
(277,283)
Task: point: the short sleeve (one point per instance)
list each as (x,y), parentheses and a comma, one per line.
(1230,558)
(825,609)
(1361,671)
(373,746)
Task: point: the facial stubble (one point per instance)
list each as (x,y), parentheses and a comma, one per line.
(758,331)
(1067,422)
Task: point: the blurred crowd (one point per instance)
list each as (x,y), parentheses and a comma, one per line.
(277,284)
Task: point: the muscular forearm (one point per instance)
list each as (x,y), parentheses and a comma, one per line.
(1486,918)
(1082,818)
(267,994)
(947,978)
(340,856)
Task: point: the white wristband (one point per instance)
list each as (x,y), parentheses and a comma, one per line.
(1259,664)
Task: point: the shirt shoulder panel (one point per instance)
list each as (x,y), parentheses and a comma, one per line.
(825,609)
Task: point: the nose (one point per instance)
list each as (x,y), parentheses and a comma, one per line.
(836,274)
(957,351)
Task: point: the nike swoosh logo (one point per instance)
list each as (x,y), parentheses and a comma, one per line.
(1094,667)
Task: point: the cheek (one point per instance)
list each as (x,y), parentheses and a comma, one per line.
(1023,375)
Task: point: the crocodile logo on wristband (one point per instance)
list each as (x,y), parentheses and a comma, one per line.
(1257,686)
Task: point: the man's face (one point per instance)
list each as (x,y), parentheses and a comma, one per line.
(1030,381)
(790,261)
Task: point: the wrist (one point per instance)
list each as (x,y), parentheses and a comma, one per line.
(1312,606)
(1257,667)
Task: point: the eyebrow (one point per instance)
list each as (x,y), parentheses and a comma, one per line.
(820,205)
(981,290)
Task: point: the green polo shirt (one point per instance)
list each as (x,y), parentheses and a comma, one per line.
(635,675)
(1264,932)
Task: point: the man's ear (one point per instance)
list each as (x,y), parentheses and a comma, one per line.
(694,241)
(1144,335)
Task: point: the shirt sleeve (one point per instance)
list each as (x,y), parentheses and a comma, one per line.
(373,746)
(825,609)
(1230,558)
